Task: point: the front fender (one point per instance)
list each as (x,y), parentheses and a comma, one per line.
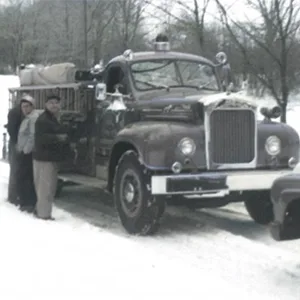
(156,143)
(289,143)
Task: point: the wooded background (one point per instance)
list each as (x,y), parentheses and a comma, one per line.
(264,51)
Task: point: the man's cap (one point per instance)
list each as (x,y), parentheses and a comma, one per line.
(27,98)
(53,97)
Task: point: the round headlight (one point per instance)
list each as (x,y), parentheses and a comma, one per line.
(187,146)
(273,145)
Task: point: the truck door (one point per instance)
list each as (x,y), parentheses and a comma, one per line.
(109,121)
(79,118)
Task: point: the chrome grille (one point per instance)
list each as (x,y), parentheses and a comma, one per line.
(232,136)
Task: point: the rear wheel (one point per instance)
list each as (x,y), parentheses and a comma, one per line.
(259,206)
(139,211)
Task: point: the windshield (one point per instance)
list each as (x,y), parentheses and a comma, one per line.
(155,74)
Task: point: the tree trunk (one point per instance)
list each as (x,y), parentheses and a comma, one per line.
(284,108)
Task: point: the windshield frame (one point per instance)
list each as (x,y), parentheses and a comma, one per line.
(178,73)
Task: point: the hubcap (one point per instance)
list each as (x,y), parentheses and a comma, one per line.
(130,193)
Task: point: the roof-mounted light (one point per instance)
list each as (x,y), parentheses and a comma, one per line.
(162,43)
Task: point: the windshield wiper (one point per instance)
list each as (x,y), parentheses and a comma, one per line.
(152,84)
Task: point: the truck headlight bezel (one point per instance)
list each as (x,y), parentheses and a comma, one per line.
(273,145)
(187,146)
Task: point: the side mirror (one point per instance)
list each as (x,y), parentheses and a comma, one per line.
(221,58)
(230,88)
(100,91)
(226,76)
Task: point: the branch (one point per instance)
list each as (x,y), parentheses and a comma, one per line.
(251,35)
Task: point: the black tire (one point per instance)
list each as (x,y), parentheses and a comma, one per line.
(259,206)
(59,188)
(140,215)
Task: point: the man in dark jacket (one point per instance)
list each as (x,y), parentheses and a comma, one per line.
(14,120)
(51,147)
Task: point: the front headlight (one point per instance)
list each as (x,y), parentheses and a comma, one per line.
(273,145)
(187,146)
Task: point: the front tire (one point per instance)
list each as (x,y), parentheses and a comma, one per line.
(259,206)
(140,212)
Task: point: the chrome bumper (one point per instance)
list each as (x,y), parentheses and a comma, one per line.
(215,184)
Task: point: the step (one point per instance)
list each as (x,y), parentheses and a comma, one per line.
(84,180)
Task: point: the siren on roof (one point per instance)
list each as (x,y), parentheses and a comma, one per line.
(162,43)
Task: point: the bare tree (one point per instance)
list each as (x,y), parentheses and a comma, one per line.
(128,21)
(272,40)
(101,16)
(12,32)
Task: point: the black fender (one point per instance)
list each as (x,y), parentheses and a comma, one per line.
(156,144)
(285,195)
(289,143)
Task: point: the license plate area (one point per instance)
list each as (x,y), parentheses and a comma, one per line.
(197,184)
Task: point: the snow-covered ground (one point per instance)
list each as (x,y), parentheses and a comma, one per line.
(85,254)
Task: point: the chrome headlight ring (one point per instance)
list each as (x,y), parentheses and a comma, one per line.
(273,145)
(187,146)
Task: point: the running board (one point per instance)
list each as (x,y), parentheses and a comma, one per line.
(83,180)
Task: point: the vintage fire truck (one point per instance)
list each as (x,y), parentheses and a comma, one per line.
(157,127)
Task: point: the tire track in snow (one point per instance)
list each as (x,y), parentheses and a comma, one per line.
(233,219)
(216,240)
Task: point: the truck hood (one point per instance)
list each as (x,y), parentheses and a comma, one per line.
(209,99)
(225,100)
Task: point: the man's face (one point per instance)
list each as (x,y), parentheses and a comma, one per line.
(53,106)
(26,108)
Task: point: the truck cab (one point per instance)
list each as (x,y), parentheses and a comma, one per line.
(157,127)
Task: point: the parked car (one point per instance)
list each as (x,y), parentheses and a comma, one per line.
(285,195)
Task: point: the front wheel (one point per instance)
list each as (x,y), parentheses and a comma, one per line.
(259,206)
(139,211)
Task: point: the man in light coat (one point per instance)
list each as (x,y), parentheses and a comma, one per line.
(24,148)
(51,147)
